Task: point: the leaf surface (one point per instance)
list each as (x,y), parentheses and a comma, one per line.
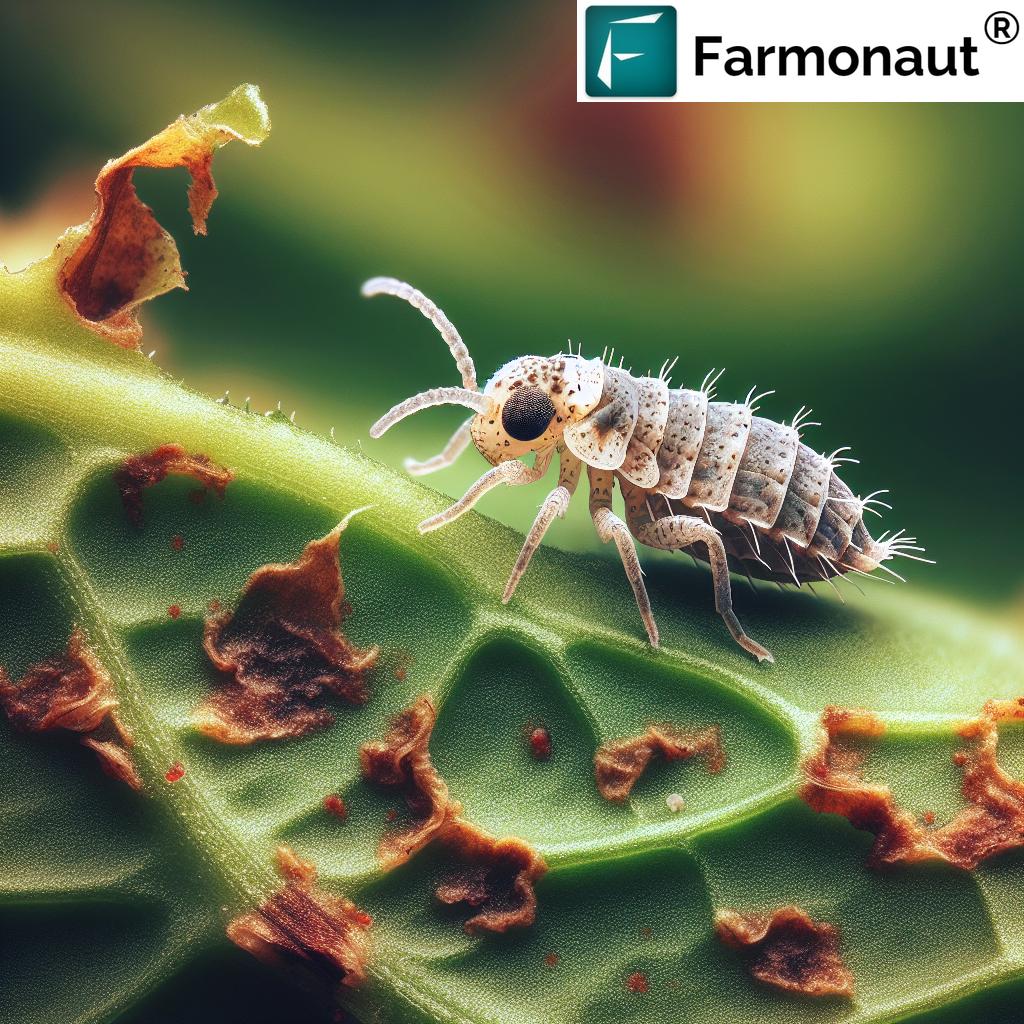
(107,895)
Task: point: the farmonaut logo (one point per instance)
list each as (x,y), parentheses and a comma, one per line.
(631,51)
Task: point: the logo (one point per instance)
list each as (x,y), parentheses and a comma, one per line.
(630,51)
(1002,27)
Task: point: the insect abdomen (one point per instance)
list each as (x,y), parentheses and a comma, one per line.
(764,474)
(725,439)
(749,475)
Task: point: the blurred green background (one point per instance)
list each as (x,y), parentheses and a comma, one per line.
(865,260)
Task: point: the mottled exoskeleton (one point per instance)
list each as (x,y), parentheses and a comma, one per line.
(713,479)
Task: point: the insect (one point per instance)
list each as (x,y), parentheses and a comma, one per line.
(713,479)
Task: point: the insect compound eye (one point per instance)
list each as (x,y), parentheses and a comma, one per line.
(527,413)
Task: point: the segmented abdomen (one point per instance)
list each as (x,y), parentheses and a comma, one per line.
(783,512)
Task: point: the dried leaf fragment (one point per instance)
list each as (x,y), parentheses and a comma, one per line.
(72,691)
(495,877)
(67,691)
(992,822)
(618,764)
(300,926)
(115,761)
(281,649)
(402,760)
(788,950)
(137,472)
(125,256)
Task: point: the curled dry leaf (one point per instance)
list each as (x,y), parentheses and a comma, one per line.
(494,876)
(618,764)
(299,926)
(788,950)
(401,760)
(281,649)
(992,821)
(125,256)
(72,691)
(137,472)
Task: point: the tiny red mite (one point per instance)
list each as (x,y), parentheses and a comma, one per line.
(333,804)
(174,611)
(175,772)
(540,743)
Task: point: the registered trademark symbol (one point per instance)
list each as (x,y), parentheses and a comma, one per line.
(1002,27)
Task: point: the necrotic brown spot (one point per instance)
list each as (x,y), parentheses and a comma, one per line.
(495,877)
(788,950)
(618,764)
(138,472)
(281,649)
(72,691)
(299,926)
(126,257)
(992,822)
(401,760)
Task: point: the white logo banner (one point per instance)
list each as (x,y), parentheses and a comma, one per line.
(893,51)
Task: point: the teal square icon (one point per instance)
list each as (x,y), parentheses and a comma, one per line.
(630,51)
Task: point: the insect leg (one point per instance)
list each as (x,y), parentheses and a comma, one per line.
(513,473)
(554,505)
(674,532)
(452,450)
(610,527)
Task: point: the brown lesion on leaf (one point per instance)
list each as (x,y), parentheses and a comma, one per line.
(618,764)
(788,950)
(301,926)
(401,761)
(137,472)
(992,821)
(281,649)
(72,692)
(126,257)
(494,876)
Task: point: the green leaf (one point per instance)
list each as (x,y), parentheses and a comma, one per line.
(107,894)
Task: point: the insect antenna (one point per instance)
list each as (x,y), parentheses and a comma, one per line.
(428,399)
(430,309)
